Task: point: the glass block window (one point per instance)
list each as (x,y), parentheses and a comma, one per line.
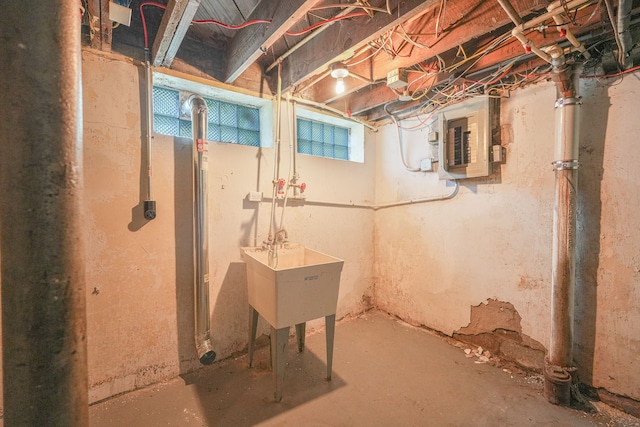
(322,139)
(227,122)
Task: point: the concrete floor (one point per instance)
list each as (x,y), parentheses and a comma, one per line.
(385,373)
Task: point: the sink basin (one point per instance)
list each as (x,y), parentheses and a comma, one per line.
(290,286)
(300,285)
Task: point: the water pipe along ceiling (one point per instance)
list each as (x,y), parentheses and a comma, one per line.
(408,55)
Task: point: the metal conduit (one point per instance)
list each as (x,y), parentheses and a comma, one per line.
(198,109)
(149,203)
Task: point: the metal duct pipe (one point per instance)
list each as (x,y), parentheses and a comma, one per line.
(44,347)
(198,108)
(559,361)
(149,203)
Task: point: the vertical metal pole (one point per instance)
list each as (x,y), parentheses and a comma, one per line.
(198,108)
(43,300)
(149,203)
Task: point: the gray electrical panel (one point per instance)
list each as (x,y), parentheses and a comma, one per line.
(464,133)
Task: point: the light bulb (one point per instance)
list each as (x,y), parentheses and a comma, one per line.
(340,85)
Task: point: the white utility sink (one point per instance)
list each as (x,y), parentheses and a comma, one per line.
(302,285)
(289,286)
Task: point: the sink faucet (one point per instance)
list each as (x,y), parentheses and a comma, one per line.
(281,236)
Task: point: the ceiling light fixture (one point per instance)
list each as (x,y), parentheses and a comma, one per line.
(339,72)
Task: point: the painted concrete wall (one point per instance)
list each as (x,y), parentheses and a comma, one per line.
(427,263)
(139,275)
(493,240)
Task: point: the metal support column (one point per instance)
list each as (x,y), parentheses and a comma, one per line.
(43,290)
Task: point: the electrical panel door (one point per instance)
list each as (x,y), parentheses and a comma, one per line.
(465,139)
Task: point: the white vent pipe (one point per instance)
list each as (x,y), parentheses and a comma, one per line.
(198,109)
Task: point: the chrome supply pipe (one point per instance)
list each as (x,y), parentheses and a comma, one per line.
(559,361)
(198,108)
(149,203)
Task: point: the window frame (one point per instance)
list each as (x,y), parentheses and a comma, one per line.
(356,132)
(187,87)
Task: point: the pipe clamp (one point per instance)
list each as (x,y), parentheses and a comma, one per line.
(560,165)
(561,102)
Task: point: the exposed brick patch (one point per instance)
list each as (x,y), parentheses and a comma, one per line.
(496,326)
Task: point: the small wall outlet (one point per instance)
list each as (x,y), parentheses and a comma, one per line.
(255,196)
(432,137)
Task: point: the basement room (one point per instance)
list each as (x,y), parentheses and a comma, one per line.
(320,213)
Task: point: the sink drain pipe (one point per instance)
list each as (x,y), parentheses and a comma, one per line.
(559,361)
(198,108)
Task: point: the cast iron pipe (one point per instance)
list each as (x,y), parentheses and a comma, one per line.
(559,361)
(198,108)
(626,43)
(44,351)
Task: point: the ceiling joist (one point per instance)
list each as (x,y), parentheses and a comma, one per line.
(486,65)
(251,42)
(448,39)
(174,26)
(316,55)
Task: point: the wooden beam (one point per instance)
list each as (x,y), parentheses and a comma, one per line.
(251,42)
(338,42)
(175,23)
(506,53)
(100,28)
(474,20)
(470,36)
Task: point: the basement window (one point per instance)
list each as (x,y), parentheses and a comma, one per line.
(227,122)
(328,136)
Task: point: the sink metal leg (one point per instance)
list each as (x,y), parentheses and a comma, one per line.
(300,332)
(330,326)
(279,340)
(253,327)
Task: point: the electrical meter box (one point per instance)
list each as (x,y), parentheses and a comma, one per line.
(465,138)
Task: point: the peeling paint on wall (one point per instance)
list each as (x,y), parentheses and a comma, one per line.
(496,326)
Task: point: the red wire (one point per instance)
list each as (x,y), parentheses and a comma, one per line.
(604,76)
(321,23)
(232,27)
(244,24)
(144,22)
(201,21)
